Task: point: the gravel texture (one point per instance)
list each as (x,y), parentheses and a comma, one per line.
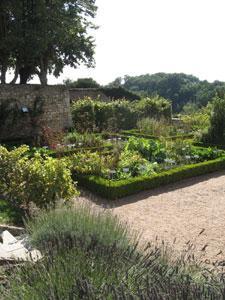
(188,212)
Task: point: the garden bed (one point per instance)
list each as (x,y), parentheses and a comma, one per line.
(117,189)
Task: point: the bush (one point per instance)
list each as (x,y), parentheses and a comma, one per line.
(94,115)
(39,180)
(91,256)
(118,189)
(156,108)
(86,163)
(216,131)
(77,227)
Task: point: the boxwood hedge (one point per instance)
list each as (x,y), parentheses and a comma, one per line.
(121,188)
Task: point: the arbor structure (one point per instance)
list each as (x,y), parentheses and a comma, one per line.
(40,37)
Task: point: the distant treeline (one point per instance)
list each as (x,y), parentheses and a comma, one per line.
(179,88)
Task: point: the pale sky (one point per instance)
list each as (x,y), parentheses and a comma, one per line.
(149,36)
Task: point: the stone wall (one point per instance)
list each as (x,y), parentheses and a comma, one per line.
(26,109)
(77,93)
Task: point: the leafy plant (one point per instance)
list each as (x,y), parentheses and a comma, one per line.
(39,180)
(152,150)
(84,140)
(86,162)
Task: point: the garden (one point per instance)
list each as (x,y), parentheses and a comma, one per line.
(114,149)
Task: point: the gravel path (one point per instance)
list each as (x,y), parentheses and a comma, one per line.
(178,212)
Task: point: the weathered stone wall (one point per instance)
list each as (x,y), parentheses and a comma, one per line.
(77,93)
(26,109)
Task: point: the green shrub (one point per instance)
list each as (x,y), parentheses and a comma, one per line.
(41,180)
(78,227)
(86,162)
(156,108)
(92,256)
(216,131)
(118,189)
(94,115)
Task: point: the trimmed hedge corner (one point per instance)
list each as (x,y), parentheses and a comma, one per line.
(118,189)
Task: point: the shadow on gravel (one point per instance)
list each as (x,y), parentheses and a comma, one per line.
(107,204)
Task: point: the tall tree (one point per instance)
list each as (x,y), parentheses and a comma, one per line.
(49,34)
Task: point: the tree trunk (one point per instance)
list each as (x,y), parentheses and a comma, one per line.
(43,78)
(25,73)
(3,74)
(43,70)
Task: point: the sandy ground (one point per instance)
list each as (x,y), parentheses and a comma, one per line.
(177,214)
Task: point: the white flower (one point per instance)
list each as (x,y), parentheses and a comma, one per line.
(187,157)
(126,170)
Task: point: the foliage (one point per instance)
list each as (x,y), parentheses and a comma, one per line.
(34,42)
(10,215)
(197,121)
(152,150)
(83,83)
(39,180)
(118,189)
(93,115)
(117,93)
(86,162)
(79,226)
(156,128)
(89,115)
(92,256)
(216,131)
(154,107)
(84,140)
(179,88)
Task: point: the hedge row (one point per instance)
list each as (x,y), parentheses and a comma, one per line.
(117,189)
(148,136)
(218,146)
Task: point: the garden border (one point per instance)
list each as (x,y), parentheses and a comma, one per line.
(117,189)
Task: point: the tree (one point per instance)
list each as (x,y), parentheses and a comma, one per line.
(81,83)
(216,131)
(46,35)
(179,88)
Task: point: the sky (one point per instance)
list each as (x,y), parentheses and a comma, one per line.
(150,36)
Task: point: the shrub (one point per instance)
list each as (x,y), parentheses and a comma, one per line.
(94,115)
(95,258)
(87,162)
(83,115)
(76,227)
(41,180)
(156,108)
(216,131)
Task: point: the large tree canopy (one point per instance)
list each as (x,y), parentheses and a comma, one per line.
(38,37)
(177,87)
